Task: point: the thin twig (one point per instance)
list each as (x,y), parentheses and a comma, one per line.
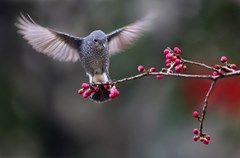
(193,62)
(205,107)
(170,68)
(131,78)
(223,71)
(199,64)
(210,77)
(230,74)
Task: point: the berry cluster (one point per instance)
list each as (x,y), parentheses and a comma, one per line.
(203,137)
(174,63)
(142,69)
(225,68)
(152,69)
(173,59)
(113,92)
(87,90)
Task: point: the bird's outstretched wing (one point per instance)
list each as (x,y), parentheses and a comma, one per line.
(58,45)
(124,37)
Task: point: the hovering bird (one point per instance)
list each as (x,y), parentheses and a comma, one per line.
(93,51)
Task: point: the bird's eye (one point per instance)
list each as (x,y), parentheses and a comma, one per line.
(95,40)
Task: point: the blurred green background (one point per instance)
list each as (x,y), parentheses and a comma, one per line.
(42,116)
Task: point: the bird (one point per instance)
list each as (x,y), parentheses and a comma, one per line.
(93,51)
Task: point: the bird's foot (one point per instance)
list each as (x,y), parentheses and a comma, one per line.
(92,85)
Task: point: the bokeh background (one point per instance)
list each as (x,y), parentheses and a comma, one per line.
(42,116)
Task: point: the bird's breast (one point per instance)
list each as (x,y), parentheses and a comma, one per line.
(95,61)
(100,77)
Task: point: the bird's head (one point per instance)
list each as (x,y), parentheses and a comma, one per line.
(99,39)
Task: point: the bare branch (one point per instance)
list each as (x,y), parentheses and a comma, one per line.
(174,60)
(205,107)
(199,64)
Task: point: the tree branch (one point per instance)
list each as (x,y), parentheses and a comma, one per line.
(174,64)
(205,107)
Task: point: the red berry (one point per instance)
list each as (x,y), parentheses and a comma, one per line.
(195,138)
(85,85)
(184,67)
(216,66)
(95,89)
(205,141)
(167,61)
(80,91)
(195,131)
(111,96)
(195,114)
(215,73)
(87,93)
(177,50)
(159,76)
(168,65)
(140,68)
(169,56)
(106,86)
(173,58)
(177,61)
(152,69)
(166,51)
(208,137)
(201,139)
(223,59)
(233,66)
(113,92)
(178,68)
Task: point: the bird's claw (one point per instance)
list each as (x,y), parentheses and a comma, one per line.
(92,85)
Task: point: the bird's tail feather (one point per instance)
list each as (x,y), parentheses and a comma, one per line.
(102,95)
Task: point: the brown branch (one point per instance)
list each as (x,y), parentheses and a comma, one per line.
(210,77)
(131,78)
(201,119)
(199,64)
(230,74)
(193,62)
(220,71)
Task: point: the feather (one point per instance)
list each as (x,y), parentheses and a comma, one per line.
(58,45)
(124,37)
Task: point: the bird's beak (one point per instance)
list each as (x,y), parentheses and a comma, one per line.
(104,45)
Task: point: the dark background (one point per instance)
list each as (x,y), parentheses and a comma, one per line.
(42,116)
